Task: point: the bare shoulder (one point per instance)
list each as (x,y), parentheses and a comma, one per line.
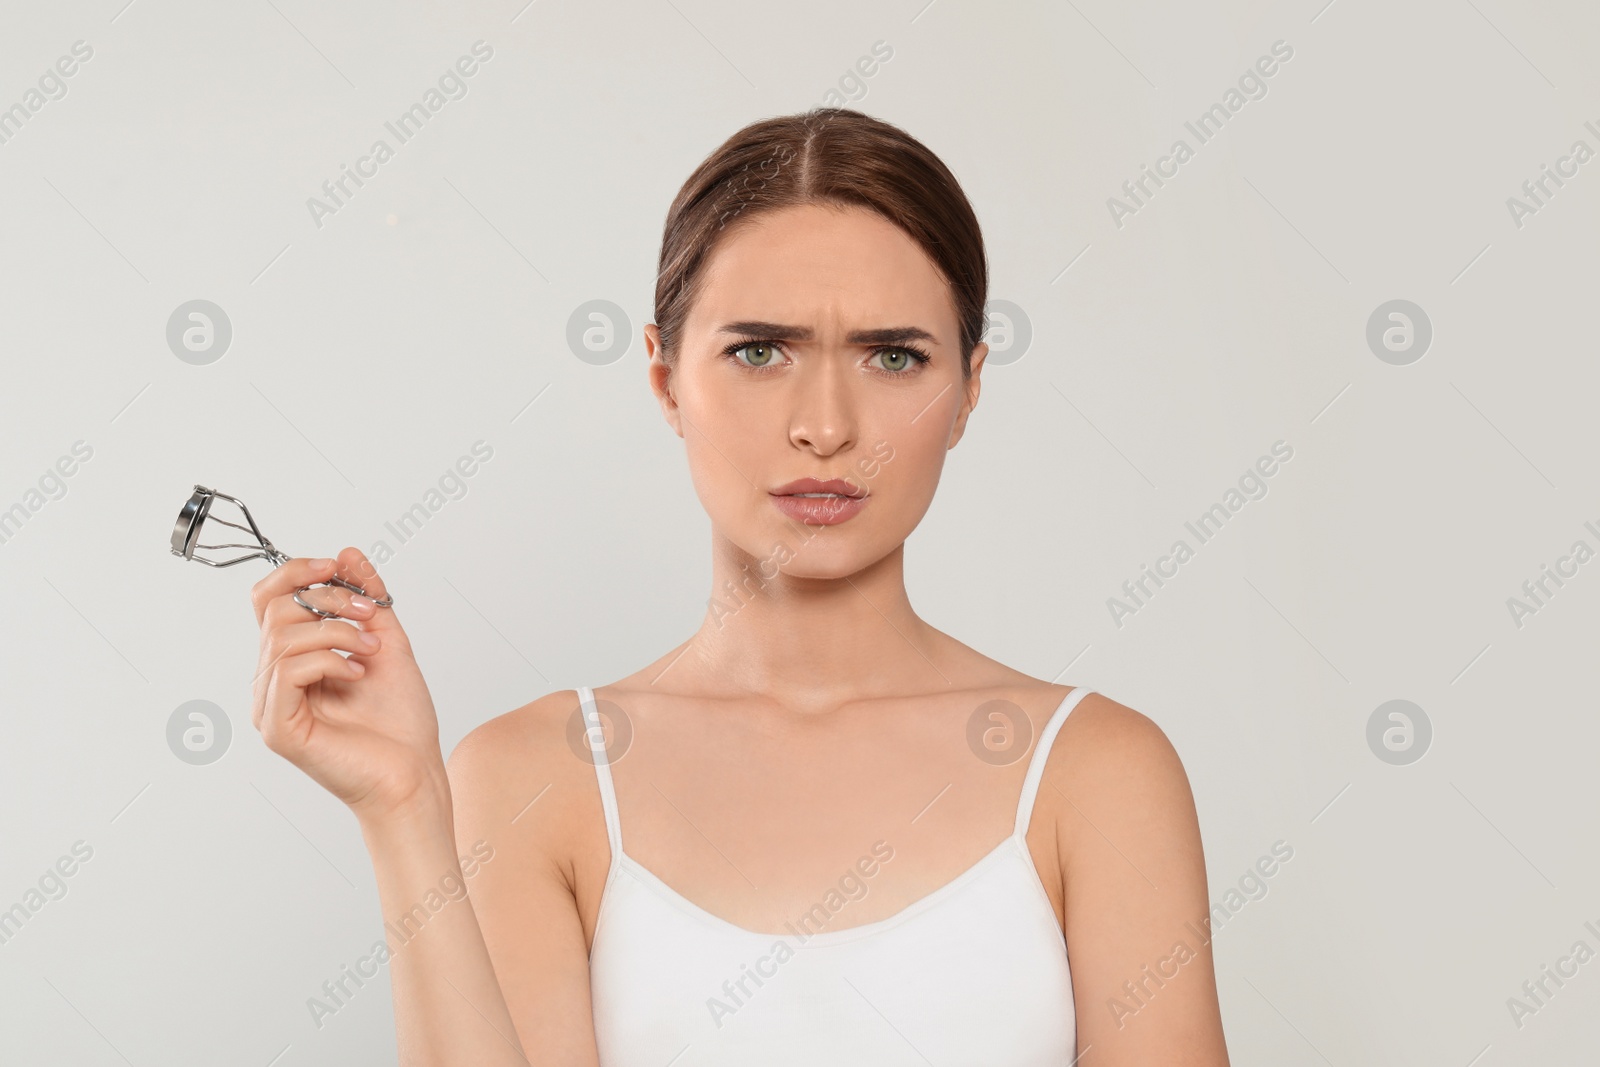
(503,745)
(1109,749)
(519,772)
(1113,777)
(518,786)
(1132,874)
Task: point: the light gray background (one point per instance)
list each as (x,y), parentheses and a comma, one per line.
(1167,355)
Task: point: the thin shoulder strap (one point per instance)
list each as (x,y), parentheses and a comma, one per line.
(594,744)
(1047,737)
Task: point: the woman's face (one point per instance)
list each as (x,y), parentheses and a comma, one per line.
(800,360)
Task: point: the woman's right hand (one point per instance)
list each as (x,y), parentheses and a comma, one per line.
(363,727)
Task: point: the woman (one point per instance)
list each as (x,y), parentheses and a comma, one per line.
(850,838)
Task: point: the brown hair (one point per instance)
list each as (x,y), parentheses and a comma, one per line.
(822,156)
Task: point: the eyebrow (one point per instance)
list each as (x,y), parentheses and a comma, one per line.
(887,335)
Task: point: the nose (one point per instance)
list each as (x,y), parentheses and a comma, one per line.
(823,419)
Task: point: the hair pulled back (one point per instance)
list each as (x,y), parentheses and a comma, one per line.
(829,156)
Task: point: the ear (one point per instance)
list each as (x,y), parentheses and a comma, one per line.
(661,378)
(973,387)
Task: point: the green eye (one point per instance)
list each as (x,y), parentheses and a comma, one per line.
(763,354)
(899,360)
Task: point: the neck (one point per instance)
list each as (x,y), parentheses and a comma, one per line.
(815,641)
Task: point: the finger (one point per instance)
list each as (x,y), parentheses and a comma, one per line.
(355,568)
(290,630)
(316,634)
(285,610)
(286,579)
(286,693)
(280,642)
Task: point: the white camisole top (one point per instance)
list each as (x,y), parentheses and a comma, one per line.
(973,973)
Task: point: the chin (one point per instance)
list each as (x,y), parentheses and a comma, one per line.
(832,552)
(804,551)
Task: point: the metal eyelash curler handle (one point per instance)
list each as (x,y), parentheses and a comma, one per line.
(196,513)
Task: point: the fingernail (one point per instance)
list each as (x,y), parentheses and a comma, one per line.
(368,639)
(321,564)
(359,601)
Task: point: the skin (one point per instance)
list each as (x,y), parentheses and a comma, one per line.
(788,696)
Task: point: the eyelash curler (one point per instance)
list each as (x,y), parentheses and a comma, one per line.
(196,513)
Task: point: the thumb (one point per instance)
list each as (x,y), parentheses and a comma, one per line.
(353,566)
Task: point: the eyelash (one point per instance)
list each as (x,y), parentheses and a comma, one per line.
(922,358)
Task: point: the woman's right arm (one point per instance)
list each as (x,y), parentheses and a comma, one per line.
(364,728)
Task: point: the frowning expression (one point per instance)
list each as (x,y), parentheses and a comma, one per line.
(818,386)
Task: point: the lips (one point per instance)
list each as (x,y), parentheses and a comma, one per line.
(819,503)
(811,487)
